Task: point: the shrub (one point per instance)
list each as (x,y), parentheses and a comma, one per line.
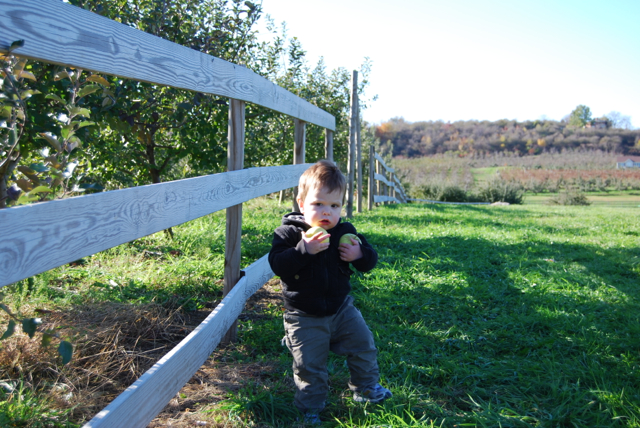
(441,192)
(498,190)
(569,198)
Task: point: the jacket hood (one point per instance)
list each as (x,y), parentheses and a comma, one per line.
(297,219)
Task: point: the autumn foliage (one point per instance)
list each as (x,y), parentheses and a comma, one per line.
(417,139)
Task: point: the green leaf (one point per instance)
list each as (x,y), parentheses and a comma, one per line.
(74,142)
(55,97)
(88,89)
(38,167)
(66,351)
(28,75)
(26,94)
(51,139)
(25,185)
(79,111)
(25,198)
(5,111)
(65,131)
(98,79)
(13,136)
(83,124)
(11,328)
(46,338)
(30,325)
(15,45)
(40,189)
(61,75)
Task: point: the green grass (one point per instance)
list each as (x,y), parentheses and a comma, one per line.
(487,316)
(484,175)
(24,407)
(613,198)
(520,314)
(492,316)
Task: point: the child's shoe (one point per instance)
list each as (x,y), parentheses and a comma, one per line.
(374,395)
(312,418)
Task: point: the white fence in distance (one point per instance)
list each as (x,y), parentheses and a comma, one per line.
(386,186)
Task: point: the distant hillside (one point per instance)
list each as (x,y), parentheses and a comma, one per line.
(417,139)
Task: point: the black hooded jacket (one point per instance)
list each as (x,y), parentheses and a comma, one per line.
(315,284)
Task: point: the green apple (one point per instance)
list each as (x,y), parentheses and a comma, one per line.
(315,230)
(347,237)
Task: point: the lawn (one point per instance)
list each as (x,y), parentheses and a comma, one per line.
(513,316)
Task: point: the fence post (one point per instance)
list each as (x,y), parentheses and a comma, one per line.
(235,161)
(385,186)
(352,142)
(359,155)
(328,144)
(371,180)
(298,152)
(378,183)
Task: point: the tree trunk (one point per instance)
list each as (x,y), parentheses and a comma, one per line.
(154,171)
(5,173)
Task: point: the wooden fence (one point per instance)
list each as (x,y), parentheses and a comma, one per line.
(384,185)
(39,237)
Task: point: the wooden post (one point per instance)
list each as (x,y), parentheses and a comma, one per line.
(378,183)
(298,152)
(352,143)
(387,188)
(328,144)
(370,184)
(359,156)
(235,161)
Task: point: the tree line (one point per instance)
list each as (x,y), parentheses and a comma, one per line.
(425,138)
(64,131)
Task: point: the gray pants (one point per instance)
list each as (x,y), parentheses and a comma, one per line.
(311,338)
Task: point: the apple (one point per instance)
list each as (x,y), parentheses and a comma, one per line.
(315,230)
(347,237)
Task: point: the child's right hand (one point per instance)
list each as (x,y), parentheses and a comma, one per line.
(316,244)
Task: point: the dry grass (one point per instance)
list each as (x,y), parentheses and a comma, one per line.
(221,376)
(116,343)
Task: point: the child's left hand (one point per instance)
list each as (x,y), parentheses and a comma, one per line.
(350,253)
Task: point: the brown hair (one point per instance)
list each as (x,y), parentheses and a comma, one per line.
(323,174)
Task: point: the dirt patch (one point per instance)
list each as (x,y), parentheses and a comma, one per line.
(220,376)
(116,343)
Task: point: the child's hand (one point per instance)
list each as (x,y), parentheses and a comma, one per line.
(350,253)
(316,243)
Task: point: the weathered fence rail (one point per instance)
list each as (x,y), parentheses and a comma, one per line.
(61,231)
(89,41)
(39,237)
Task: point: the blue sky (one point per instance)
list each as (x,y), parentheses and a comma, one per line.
(484,60)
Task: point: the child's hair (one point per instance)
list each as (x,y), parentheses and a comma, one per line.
(323,174)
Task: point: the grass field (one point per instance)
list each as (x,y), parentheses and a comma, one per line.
(629,198)
(484,316)
(483,175)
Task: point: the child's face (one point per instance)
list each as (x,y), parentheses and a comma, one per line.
(321,208)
